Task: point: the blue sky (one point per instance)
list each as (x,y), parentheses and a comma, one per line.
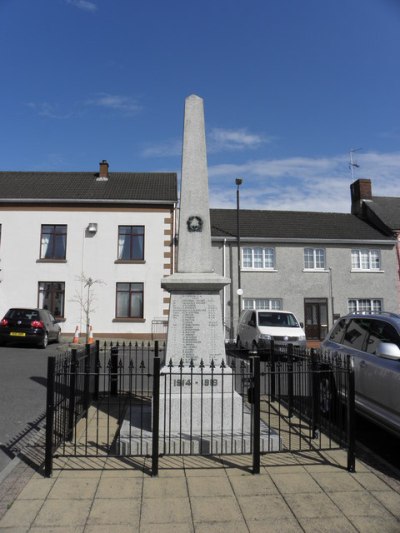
(289,87)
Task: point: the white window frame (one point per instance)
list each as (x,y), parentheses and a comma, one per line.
(267,304)
(264,255)
(363,260)
(316,252)
(365,305)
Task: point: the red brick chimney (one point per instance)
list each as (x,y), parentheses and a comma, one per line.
(360,190)
(103,172)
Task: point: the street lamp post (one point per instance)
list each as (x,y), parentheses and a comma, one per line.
(238,182)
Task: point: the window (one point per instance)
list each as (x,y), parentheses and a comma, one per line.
(53,242)
(314,258)
(129,300)
(365,305)
(381,331)
(337,333)
(52,297)
(365,259)
(131,243)
(262,303)
(356,334)
(258,258)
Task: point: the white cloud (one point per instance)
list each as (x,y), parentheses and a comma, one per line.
(301,183)
(45,109)
(220,139)
(86,5)
(122,104)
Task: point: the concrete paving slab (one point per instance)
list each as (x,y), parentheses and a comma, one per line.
(318,505)
(175,487)
(121,512)
(62,513)
(337,481)
(361,504)
(74,489)
(372,524)
(264,508)
(21,514)
(390,500)
(166,511)
(200,486)
(165,528)
(222,527)
(278,525)
(370,481)
(114,488)
(208,510)
(322,525)
(249,485)
(295,482)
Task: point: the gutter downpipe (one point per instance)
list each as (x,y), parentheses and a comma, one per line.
(224,293)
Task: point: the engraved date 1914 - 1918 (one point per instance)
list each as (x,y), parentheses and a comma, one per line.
(188,382)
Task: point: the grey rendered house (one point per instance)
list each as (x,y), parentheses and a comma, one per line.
(317,265)
(382,212)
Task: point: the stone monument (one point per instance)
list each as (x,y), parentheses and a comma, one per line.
(200,410)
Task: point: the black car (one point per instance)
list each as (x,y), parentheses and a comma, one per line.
(34,326)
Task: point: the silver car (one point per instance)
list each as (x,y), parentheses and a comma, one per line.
(373,342)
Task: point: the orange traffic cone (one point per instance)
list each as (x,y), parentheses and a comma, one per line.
(75,340)
(90,339)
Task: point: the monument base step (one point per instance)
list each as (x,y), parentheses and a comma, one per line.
(135,438)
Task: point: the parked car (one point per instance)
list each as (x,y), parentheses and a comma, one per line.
(373,342)
(33,326)
(258,327)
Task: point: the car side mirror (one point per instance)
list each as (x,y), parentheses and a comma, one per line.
(388,350)
(302,325)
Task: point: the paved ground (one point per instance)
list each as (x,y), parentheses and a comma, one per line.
(294,492)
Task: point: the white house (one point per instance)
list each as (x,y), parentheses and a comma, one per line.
(69,239)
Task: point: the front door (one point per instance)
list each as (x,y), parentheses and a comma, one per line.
(316,318)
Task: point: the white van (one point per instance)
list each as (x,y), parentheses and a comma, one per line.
(257,327)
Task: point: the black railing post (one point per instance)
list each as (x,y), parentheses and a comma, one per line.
(290,379)
(51,376)
(351,455)
(72,393)
(256,414)
(96,371)
(114,371)
(156,415)
(86,383)
(315,381)
(272,372)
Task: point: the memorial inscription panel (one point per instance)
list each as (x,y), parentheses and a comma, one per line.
(195,328)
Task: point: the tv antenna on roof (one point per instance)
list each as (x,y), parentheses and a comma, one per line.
(353,164)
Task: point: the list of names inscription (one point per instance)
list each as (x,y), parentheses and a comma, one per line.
(196,321)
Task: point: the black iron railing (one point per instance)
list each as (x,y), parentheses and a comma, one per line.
(123,400)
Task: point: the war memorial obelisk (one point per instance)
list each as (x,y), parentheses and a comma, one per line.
(199,409)
(195,330)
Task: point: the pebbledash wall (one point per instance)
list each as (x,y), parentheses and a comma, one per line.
(95,254)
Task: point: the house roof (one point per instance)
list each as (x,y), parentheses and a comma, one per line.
(82,187)
(293,226)
(387,209)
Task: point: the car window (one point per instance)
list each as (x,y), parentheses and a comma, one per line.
(337,332)
(23,314)
(381,331)
(252,319)
(356,333)
(277,320)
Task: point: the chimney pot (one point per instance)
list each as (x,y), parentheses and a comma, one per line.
(103,173)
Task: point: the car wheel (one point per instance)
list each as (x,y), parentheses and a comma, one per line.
(45,341)
(327,395)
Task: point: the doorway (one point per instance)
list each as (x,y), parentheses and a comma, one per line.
(316,318)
